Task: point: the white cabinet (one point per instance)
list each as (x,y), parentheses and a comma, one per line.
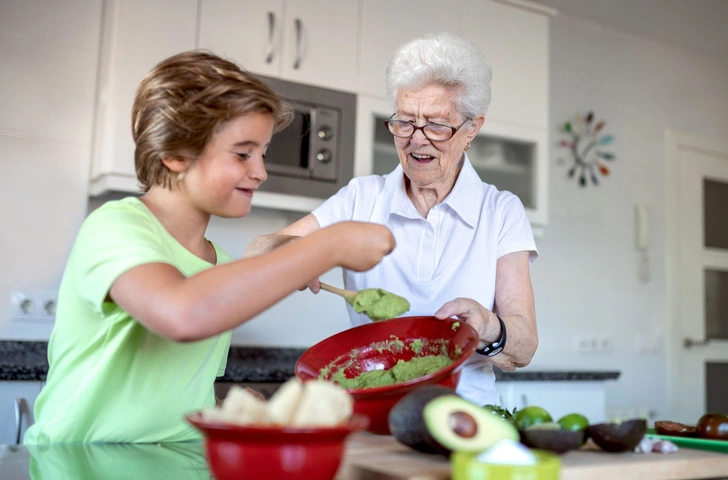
(248,32)
(385,25)
(312,41)
(516,42)
(48,53)
(10,391)
(515,158)
(136,35)
(559,398)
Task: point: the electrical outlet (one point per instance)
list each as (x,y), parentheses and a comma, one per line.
(593,344)
(32,306)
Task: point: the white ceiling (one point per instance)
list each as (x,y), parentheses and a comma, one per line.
(697,25)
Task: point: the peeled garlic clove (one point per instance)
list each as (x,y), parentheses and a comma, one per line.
(664,446)
(646,445)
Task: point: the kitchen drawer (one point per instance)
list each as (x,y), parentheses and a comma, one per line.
(9,391)
(559,398)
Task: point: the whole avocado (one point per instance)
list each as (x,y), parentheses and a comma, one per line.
(407,423)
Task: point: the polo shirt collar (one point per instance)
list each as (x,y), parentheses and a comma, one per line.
(464,199)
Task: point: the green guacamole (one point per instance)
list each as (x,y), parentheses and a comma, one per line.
(379,304)
(430,356)
(402,371)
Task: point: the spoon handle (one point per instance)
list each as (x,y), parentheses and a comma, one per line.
(338,291)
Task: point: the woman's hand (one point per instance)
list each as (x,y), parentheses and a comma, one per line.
(514,304)
(474,314)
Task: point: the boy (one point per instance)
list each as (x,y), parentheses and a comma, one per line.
(147,302)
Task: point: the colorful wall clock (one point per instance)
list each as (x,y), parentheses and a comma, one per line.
(588,148)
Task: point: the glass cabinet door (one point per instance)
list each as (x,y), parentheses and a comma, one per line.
(511,158)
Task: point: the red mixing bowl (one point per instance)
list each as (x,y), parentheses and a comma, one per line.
(264,453)
(357,350)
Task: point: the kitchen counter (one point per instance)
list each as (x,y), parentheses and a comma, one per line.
(28,361)
(371,457)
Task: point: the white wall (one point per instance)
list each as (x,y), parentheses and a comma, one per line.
(585,281)
(48,54)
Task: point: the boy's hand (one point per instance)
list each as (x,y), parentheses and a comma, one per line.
(359,246)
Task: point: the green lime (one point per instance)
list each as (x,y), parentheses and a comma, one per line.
(531,415)
(573,422)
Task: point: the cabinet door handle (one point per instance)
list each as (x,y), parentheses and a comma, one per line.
(690,343)
(269,50)
(299,31)
(21,407)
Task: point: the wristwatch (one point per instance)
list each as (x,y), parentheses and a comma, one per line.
(496,347)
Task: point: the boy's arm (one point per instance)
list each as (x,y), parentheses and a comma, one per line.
(266,243)
(220,298)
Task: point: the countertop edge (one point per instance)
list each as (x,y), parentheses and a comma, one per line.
(27,361)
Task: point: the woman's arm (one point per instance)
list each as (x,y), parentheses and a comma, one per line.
(514,303)
(266,243)
(222,297)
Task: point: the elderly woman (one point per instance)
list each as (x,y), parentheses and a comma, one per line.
(463,247)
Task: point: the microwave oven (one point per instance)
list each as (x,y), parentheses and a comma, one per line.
(314,155)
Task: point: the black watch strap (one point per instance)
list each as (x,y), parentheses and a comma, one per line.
(496,347)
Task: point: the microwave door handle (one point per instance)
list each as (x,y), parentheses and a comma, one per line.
(299,30)
(269,51)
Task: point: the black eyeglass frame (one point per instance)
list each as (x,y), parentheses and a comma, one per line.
(415,128)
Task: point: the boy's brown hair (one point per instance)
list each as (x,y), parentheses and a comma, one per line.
(183,101)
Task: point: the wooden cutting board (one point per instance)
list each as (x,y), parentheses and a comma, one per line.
(381,457)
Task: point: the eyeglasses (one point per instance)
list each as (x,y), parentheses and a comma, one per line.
(436,132)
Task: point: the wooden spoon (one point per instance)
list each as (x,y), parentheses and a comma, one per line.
(347,294)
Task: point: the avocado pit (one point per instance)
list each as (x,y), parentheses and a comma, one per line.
(463,424)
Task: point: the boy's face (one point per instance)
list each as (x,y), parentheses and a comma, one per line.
(228,171)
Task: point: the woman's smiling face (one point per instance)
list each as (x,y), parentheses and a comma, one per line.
(430,164)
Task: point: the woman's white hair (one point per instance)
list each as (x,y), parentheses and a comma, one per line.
(442,59)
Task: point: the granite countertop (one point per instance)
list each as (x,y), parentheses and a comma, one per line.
(20,360)
(29,361)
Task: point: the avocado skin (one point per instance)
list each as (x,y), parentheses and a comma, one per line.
(557,441)
(618,437)
(407,423)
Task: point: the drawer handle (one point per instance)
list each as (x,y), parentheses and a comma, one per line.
(690,343)
(269,51)
(299,28)
(21,409)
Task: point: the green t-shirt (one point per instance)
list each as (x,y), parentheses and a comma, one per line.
(118,461)
(110,378)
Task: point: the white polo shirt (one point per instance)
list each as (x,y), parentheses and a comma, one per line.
(452,253)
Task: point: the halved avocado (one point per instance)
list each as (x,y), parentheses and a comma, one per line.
(618,436)
(407,423)
(458,425)
(557,441)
